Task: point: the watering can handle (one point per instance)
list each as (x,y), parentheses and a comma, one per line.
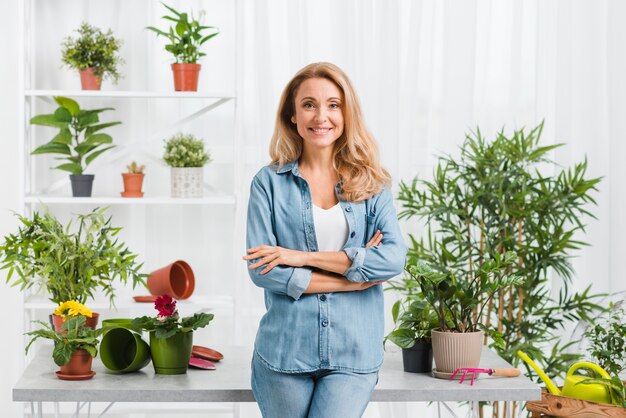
(588,365)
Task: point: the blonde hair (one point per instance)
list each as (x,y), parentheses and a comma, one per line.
(355,155)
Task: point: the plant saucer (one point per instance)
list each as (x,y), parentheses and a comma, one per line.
(206,353)
(75,376)
(145,299)
(201,363)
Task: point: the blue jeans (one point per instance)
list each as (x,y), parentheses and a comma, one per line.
(319,394)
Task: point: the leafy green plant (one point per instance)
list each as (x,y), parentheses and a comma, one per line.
(185,37)
(185,150)
(79,140)
(134,168)
(70,265)
(168,322)
(93,49)
(414,319)
(74,335)
(607,341)
(496,197)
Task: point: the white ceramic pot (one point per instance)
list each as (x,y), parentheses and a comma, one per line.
(187,182)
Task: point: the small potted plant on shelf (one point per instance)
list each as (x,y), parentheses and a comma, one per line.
(133,180)
(171,337)
(94,54)
(70,265)
(185,39)
(458,298)
(75,346)
(80,140)
(414,320)
(186,156)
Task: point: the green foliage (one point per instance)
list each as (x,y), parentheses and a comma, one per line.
(185,150)
(74,123)
(607,340)
(496,198)
(71,265)
(77,337)
(134,168)
(93,48)
(414,319)
(185,37)
(615,385)
(166,326)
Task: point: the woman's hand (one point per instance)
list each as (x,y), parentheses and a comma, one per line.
(274,256)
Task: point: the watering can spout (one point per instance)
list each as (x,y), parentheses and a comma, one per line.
(552,388)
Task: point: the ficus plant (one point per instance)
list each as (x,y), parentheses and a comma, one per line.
(498,197)
(79,140)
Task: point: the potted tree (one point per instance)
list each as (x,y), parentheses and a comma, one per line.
(94,54)
(133,180)
(79,140)
(75,346)
(71,265)
(185,39)
(171,337)
(414,320)
(186,156)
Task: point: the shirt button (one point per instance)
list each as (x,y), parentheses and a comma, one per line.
(323,298)
(324,323)
(348,209)
(352,234)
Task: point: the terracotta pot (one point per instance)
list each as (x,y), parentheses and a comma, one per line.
(132,184)
(57,321)
(79,364)
(89,80)
(452,350)
(176,279)
(186,76)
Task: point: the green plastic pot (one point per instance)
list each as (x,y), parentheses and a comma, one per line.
(171,355)
(121,323)
(124,351)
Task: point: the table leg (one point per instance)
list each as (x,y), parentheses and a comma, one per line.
(509,407)
(106,409)
(32,409)
(236,410)
(39,409)
(89,410)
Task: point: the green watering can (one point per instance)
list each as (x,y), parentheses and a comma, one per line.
(594,392)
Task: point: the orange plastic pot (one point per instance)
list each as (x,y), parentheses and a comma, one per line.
(176,279)
(186,76)
(57,321)
(132,184)
(78,368)
(89,80)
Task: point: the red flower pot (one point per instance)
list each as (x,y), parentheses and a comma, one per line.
(186,76)
(78,368)
(92,322)
(132,184)
(89,80)
(176,279)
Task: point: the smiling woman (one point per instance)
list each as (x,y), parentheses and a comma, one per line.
(322,235)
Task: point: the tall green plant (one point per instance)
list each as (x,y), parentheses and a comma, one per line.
(496,198)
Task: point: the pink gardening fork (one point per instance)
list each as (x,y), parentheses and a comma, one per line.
(473,371)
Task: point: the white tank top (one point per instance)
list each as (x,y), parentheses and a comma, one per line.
(331,228)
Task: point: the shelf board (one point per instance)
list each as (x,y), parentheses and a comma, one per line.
(224,199)
(195,301)
(129,94)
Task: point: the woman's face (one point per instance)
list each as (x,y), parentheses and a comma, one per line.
(318,112)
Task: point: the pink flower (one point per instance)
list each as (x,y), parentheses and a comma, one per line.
(165,305)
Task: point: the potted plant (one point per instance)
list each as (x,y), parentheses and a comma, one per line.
(185,39)
(186,156)
(458,298)
(70,264)
(606,341)
(171,337)
(414,320)
(70,309)
(79,140)
(94,54)
(75,346)
(133,180)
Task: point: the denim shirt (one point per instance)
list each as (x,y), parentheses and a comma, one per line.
(306,332)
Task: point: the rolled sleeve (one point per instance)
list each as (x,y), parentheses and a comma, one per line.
(357,256)
(299,281)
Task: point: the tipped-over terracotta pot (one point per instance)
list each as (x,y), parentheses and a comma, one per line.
(176,280)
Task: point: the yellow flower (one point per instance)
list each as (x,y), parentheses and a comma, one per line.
(72,308)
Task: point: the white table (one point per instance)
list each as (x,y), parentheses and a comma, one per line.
(231,383)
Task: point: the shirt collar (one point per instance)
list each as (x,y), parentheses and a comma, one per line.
(292,166)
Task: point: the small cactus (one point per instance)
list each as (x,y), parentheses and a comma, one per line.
(133,168)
